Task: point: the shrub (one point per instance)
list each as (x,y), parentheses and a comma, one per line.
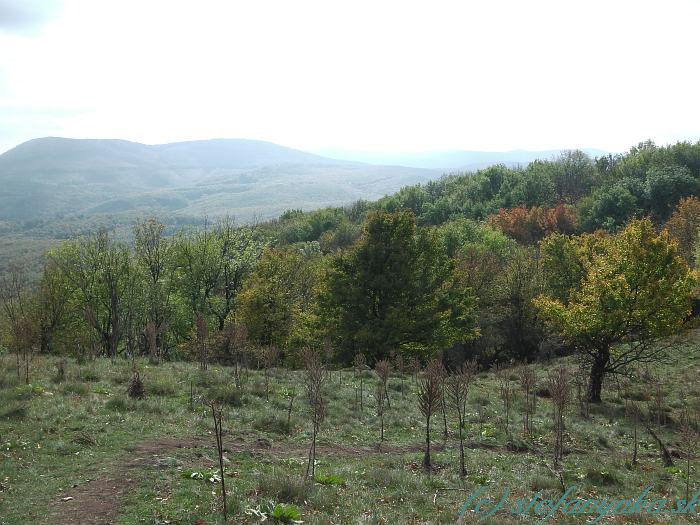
(136,387)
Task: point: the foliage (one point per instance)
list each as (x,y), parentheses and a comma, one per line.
(634,290)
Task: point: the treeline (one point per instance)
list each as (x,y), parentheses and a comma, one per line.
(501,265)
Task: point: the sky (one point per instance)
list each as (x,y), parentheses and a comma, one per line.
(377,75)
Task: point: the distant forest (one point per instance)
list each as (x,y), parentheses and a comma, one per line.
(573,254)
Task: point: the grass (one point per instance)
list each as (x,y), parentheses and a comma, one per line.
(57,436)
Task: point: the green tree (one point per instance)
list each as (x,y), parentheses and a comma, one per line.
(394,290)
(633,293)
(277,301)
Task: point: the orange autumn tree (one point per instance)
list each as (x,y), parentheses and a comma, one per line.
(530,225)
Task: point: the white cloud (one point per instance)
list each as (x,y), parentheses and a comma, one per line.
(389,75)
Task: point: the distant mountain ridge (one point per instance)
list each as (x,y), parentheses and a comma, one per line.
(62,177)
(449,159)
(56,176)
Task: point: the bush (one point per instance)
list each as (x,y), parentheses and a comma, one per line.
(227,395)
(274,424)
(136,387)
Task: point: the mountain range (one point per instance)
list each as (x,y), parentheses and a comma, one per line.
(58,177)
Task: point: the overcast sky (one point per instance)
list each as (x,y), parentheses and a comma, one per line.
(375,75)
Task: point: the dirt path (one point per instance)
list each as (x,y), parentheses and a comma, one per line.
(98,502)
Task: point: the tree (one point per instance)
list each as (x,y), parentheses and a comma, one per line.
(393,290)
(153,258)
(100,275)
(429,400)
(20,310)
(457,388)
(635,291)
(684,227)
(528,226)
(278,296)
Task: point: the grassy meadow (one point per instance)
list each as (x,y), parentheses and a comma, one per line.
(76,438)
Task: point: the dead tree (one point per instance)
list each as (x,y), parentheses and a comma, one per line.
(360,363)
(315,378)
(528,385)
(400,367)
(505,390)
(581,383)
(559,386)
(633,413)
(457,388)
(383,369)
(429,400)
(216,415)
(235,341)
(380,410)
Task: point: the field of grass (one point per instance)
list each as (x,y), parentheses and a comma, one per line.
(78,444)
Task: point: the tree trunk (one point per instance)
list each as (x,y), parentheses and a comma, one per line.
(462,469)
(426,458)
(597,374)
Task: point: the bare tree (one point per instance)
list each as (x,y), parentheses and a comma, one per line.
(457,388)
(581,380)
(380,410)
(218,431)
(559,385)
(633,413)
(400,367)
(360,364)
(235,339)
(528,385)
(505,389)
(383,369)
(316,376)
(429,400)
(689,438)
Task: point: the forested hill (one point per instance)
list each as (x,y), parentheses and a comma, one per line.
(473,265)
(580,192)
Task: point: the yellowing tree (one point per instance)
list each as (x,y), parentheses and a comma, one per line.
(635,290)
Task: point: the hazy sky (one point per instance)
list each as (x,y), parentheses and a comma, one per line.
(372,75)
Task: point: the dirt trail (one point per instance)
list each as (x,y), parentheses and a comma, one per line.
(97,502)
